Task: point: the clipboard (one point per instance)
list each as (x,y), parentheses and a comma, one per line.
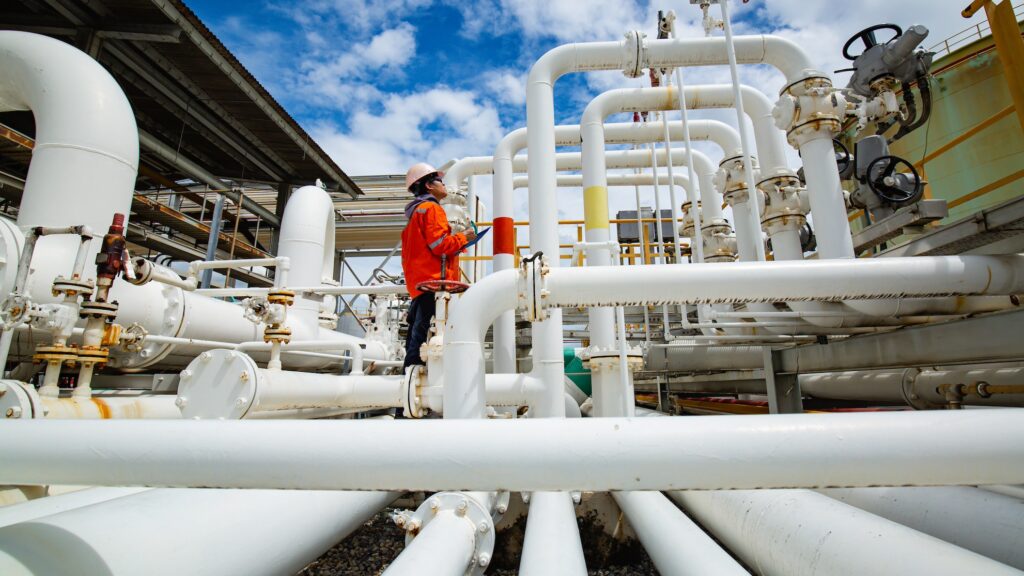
(479,236)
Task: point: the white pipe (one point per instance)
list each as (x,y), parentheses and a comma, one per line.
(195,532)
(374,289)
(444,548)
(552,542)
(87,146)
(748,169)
(770,451)
(798,532)
(676,545)
(990,524)
(49,505)
(307,240)
(917,387)
(504,164)
(780,281)
(576,180)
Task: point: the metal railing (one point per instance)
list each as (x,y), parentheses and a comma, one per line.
(970,34)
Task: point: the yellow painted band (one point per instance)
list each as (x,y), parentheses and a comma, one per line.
(595,208)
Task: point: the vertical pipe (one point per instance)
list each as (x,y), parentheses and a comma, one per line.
(748,170)
(214,238)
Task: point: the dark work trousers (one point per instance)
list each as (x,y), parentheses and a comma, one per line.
(421,311)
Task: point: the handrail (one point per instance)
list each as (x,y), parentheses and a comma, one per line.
(969,34)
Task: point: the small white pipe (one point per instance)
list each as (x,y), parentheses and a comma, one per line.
(770,451)
(376,289)
(444,548)
(552,541)
(202,533)
(800,533)
(990,524)
(676,545)
(576,180)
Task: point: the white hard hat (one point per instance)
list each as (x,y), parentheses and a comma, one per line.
(418,171)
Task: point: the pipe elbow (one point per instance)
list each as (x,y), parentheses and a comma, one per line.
(789,58)
(480,306)
(507,147)
(75,101)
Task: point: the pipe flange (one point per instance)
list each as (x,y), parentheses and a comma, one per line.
(280,334)
(281,296)
(98,309)
(72,286)
(412,403)
(55,353)
(19,401)
(634,54)
(218,385)
(466,508)
(910,396)
(96,356)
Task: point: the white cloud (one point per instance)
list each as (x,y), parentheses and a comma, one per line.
(506,85)
(434,126)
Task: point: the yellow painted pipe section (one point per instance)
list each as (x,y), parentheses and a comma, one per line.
(595,208)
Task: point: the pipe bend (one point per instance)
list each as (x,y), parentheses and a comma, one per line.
(478,307)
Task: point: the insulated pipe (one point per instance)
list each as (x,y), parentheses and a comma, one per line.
(676,545)
(444,548)
(769,451)
(201,533)
(990,524)
(552,543)
(87,146)
(779,281)
(798,532)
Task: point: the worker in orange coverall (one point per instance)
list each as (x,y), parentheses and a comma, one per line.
(426,238)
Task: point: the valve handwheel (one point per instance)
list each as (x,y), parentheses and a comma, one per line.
(867,36)
(896,188)
(843,157)
(451,286)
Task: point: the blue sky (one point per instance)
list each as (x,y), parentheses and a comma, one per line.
(381,84)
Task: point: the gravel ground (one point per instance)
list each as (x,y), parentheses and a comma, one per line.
(369,551)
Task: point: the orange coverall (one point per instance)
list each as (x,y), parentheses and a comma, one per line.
(425,238)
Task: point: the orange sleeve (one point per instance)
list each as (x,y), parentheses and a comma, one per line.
(437,232)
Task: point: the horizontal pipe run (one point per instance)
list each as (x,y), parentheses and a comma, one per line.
(46,506)
(380,289)
(803,533)
(829,280)
(676,545)
(601,454)
(195,532)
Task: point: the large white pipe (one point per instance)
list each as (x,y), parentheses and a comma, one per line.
(86,146)
(781,281)
(307,240)
(798,532)
(182,531)
(990,524)
(49,505)
(444,548)
(798,450)
(676,545)
(920,387)
(552,543)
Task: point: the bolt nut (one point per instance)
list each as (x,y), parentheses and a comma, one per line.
(484,527)
(205,356)
(462,507)
(241,400)
(3,388)
(413,525)
(435,505)
(502,509)
(186,374)
(181,401)
(483,559)
(244,376)
(14,412)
